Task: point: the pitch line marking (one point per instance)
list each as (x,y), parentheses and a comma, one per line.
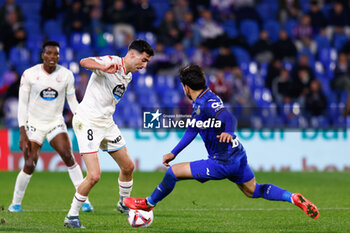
(253,209)
(194,210)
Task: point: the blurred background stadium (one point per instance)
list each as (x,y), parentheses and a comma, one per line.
(288,59)
(276,64)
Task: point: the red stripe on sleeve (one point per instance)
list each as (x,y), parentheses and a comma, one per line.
(123,66)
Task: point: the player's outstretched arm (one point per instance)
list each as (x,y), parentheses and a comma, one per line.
(91,64)
(168,158)
(188,137)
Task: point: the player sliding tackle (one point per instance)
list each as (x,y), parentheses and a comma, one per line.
(227,158)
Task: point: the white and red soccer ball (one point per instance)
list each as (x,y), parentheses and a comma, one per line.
(140,218)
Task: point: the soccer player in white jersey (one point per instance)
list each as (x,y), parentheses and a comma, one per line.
(94,126)
(42,93)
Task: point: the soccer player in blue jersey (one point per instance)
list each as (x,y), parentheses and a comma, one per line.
(227,158)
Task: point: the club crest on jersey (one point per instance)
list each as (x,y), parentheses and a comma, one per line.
(198,110)
(49,94)
(118,91)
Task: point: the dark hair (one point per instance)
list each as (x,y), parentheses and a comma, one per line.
(141,46)
(193,76)
(50,43)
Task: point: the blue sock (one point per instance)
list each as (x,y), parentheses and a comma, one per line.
(164,188)
(271,192)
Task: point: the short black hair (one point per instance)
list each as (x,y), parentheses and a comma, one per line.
(193,76)
(50,43)
(141,46)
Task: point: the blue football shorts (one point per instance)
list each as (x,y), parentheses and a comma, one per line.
(238,171)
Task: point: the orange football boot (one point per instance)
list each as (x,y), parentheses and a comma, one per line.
(307,206)
(137,203)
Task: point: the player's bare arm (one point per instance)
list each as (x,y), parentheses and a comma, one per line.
(225,137)
(91,64)
(168,158)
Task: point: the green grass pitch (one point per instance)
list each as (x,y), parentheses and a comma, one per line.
(216,206)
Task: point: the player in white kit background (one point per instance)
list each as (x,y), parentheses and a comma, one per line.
(42,93)
(94,126)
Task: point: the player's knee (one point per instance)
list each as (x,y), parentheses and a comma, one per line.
(257,191)
(29,166)
(129,168)
(94,178)
(170,173)
(248,190)
(174,172)
(249,193)
(68,158)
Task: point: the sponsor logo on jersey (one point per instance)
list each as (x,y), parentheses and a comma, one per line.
(118,91)
(118,139)
(198,110)
(49,94)
(60,126)
(217,106)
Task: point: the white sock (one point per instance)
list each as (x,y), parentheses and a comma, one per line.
(76,175)
(20,187)
(125,188)
(78,201)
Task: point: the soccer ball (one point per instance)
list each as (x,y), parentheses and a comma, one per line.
(140,218)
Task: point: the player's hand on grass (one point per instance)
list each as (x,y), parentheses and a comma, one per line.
(225,137)
(168,158)
(112,68)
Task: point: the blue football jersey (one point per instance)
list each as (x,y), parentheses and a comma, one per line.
(208,106)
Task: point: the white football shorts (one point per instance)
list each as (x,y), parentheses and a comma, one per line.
(37,133)
(90,138)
